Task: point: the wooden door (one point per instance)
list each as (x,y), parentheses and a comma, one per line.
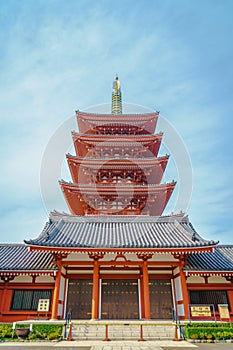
(79,298)
(119,299)
(160,299)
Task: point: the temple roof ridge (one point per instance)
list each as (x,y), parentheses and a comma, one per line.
(56,216)
(12,244)
(93,114)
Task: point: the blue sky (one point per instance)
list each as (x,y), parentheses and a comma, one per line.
(60,56)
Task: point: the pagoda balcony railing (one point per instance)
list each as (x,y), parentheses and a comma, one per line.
(125,153)
(119,162)
(114,211)
(117,138)
(122,185)
(110,130)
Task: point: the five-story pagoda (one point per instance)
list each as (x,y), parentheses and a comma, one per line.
(116,170)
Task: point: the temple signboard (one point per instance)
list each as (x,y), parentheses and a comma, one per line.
(223,311)
(200,311)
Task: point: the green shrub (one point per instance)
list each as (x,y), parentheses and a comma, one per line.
(53,336)
(32,336)
(40,335)
(47,328)
(193,336)
(46,331)
(5,330)
(209,331)
(210,336)
(22,325)
(226,335)
(39,331)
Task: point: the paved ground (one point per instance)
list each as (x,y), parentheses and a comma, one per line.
(211,346)
(115,345)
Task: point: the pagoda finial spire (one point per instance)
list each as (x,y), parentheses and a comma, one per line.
(116,97)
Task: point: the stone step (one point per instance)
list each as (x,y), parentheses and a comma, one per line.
(124,332)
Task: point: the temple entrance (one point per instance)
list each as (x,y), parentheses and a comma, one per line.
(160,299)
(120,299)
(79,298)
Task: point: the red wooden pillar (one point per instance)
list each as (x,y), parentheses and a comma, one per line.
(230,298)
(95,292)
(146,293)
(184,290)
(5,297)
(4,293)
(95,287)
(56,294)
(57,261)
(145,285)
(142,298)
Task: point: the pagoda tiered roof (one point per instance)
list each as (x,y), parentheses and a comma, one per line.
(69,233)
(144,122)
(146,144)
(82,197)
(81,168)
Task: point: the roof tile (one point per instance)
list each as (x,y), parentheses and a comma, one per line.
(220,260)
(17,257)
(119,232)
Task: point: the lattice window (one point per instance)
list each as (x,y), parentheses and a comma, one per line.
(208,297)
(28,299)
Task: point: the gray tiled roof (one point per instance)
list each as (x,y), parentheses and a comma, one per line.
(17,257)
(220,260)
(119,232)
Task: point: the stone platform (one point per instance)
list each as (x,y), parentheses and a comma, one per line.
(122,330)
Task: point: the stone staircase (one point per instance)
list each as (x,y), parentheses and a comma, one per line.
(123,331)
